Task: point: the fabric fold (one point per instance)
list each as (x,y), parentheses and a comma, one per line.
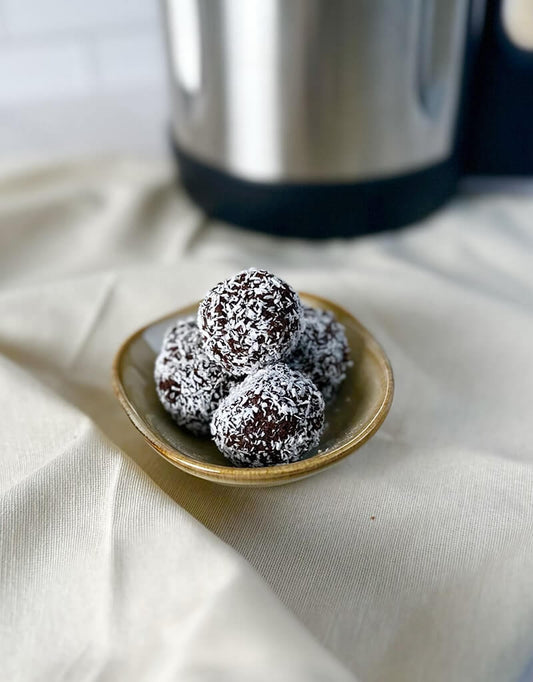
(410,559)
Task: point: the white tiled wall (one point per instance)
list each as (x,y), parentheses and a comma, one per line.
(38,16)
(56,49)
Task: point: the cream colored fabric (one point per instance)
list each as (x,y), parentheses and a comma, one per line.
(410,560)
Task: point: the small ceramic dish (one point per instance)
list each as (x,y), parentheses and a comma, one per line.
(352,418)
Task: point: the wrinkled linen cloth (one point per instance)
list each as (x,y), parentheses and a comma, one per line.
(412,559)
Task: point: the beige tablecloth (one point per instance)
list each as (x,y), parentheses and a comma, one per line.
(410,560)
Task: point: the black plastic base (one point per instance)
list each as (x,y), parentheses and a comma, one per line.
(318,210)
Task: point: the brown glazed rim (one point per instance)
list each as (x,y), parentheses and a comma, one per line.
(264,475)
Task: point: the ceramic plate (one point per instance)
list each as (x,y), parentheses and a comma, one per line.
(352,418)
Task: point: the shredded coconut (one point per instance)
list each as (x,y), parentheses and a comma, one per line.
(274,416)
(249,321)
(322,351)
(188,383)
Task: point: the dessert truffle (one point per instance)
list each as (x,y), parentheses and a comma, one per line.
(274,416)
(188,383)
(322,351)
(250,321)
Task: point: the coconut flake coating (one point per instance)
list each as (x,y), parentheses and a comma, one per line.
(188,383)
(182,339)
(249,321)
(274,416)
(322,351)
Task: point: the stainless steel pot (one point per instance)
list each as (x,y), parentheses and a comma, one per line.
(305,94)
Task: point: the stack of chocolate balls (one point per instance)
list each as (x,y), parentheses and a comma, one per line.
(254,369)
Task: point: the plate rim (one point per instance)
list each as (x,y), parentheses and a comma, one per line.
(260,475)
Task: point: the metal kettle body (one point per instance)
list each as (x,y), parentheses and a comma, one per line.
(317,117)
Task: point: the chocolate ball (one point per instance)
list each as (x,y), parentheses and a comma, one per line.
(250,321)
(322,351)
(188,383)
(274,416)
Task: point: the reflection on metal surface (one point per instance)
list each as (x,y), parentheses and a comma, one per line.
(322,90)
(184,25)
(252,76)
(438,25)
